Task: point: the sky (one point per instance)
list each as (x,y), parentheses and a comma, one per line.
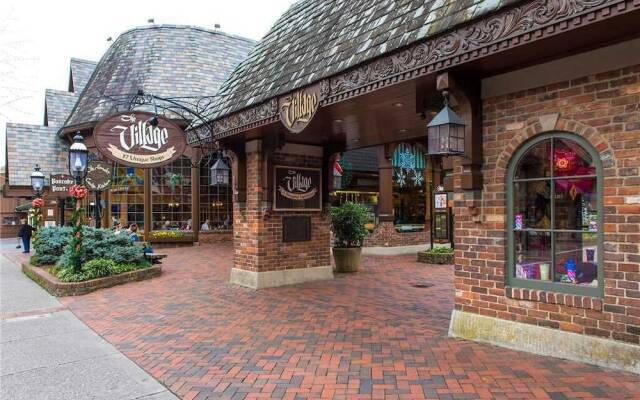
(38,38)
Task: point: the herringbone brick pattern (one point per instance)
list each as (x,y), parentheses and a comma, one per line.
(372,335)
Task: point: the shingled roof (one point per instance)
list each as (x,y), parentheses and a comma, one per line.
(28,145)
(79,73)
(57,107)
(315,39)
(165,60)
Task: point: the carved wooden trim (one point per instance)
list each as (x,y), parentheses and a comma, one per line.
(512,27)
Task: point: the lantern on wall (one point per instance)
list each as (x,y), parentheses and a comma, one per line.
(446,132)
(220,173)
(78,158)
(37,180)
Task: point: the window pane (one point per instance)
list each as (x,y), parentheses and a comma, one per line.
(532,205)
(533,255)
(570,159)
(576,204)
(536,162)
(576,258)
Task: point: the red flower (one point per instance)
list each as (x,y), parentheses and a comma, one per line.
(37,203)
(78,191)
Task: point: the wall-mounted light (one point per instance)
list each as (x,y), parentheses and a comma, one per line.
(446,132)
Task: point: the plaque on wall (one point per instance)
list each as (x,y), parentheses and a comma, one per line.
(296,229)
(139,139)
(99,175)
(297,188)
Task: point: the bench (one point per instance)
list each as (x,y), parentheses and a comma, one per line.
(155,258)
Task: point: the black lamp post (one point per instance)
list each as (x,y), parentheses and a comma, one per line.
(446,137)
(37,180)
(78,158)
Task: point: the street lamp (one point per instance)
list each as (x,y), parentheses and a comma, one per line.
(445,132)
(37,180)
(220,173)
(78,158)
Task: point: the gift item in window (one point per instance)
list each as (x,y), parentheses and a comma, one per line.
(581,273)
(528,271)
(519,221)
(542,221)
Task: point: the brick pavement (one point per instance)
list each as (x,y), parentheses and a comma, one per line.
(370,335)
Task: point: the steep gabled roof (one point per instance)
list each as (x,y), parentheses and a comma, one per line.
(57,107)
(79,73)
(316,39)
(165,60)
(28,145)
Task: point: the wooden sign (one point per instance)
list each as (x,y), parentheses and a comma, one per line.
(297,188)
(298,108)
(99,175)
(130,139)
(60,183)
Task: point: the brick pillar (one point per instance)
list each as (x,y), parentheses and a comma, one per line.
(261,257)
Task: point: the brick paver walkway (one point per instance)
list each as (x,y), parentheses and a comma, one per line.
(370,335)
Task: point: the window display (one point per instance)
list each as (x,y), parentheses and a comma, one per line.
(216,207)
(171,196)
(555,234)
(126,197)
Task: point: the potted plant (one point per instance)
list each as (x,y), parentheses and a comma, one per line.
(348,225)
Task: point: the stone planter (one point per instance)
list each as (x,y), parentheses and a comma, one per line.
(435,258)
(347,259)
(58,288)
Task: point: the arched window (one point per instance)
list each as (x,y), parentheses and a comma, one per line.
(555,216)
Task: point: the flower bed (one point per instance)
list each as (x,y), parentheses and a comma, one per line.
(171,237)
(439,255)
(53,285)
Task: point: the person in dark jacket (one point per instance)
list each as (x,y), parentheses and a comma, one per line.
(25,233)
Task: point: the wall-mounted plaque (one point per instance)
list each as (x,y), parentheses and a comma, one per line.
(60,183)
(296,229)
(297,188)
(440,201)
(298,108)
(131,139)
(99,175)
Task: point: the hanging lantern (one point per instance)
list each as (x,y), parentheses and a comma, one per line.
(220,173)
(446,132)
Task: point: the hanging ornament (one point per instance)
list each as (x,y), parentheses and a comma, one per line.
(78,192)
(573,192)
(37,203)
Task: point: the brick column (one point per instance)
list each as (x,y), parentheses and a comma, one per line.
(261,257)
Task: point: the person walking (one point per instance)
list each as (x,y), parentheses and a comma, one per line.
(25,233)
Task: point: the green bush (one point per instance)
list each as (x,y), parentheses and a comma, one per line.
(98,268)
(103,243)
(69,275)
(49,244)
(441,250)
(347,224)
(127,267)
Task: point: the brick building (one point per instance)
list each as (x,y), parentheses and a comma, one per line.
(544,197)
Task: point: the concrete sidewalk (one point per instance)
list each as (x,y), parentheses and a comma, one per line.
(48,353)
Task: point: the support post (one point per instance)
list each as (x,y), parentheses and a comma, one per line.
(96,211)
(385,184)
(147,204)
(195,201)
(61,210)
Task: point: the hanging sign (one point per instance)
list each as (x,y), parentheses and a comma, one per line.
(99,175)
(130,139)
(60,183)
(297,188)
(298,108)
(440,201)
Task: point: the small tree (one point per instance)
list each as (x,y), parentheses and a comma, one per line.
(347,224)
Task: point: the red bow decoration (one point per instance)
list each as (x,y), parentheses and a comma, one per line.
(37,203)
(78,191)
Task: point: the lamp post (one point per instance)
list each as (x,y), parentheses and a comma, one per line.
(445,137)
(78,160)
(37,180)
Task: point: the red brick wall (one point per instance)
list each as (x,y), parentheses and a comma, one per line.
(215,237)
(605,110)
(386,235)
(258,229)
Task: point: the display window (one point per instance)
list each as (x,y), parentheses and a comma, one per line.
(127,197)
(216,201)
(171,196)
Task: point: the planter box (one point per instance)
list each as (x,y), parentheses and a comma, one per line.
(435,258)
(183,239)
(54,286)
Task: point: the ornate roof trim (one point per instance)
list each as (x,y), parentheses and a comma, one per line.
(511,27)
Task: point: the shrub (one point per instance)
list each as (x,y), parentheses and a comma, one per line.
(49,244)
(347,224)
(98,268)
(69,275)
(441,250)
(126,267)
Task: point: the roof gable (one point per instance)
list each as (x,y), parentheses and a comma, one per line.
(57,107)
(79,73)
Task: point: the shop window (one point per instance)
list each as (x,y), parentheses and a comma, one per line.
(555,220)
(409,199)
(216,206)
(126,197)
(171,196)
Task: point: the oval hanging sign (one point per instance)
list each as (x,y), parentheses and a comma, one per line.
(132,139)
(98,176)
(297,109)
